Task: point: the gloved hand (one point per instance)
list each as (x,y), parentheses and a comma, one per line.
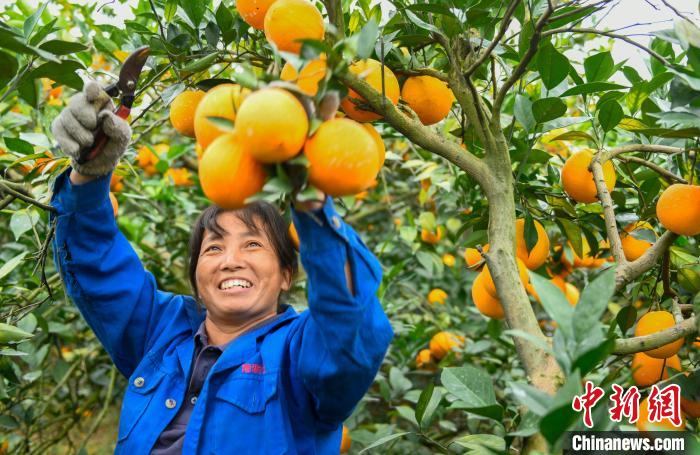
(76,126)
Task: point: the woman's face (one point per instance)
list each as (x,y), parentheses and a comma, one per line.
(239,277)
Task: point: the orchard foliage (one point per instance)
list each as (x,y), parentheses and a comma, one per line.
(525,85)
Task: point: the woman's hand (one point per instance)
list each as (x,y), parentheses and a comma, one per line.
(311,204)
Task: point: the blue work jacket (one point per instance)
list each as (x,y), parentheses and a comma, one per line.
(284,388)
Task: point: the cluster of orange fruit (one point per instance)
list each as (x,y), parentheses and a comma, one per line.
(578,183)
(440,345)
(652,366)
(148,157)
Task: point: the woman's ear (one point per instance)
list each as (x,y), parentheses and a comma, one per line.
(286,280)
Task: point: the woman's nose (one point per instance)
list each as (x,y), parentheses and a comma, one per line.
(232,260)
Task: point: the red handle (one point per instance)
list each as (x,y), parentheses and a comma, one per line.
(101,138)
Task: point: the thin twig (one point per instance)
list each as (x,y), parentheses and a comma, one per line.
(505,23)
(8,189)
(670,176)
(655,340)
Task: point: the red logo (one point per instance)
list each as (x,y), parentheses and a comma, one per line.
(253,368)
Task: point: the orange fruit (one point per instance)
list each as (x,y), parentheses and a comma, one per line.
(558,281)
(271,125)
(228,174)
(371,71)
(643,423)
(487,304)
(432,237)
(115,204)
(198,150)
(429,97)
(443,342)
(632,247)
(572,294)
(342,157)
(179,176)
(221,101)
(656,321)
(648,370)
(490,286)
(690,407)
(345,442)
(473,257)
(308,78)
(587,260)
(381,148)
(424,358)
(437,295)
(182,111)
(147,157)
(678,209)
(577,180)
(539,253)
(253,11)
(115,183)
(448,260)
(294,235)
(40,163)
(288,21)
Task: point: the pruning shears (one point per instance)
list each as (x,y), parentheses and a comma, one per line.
(124,88)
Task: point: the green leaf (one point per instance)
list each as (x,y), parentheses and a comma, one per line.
(384,440)
(224,18)
(523,112)
(18,145)
(8,68)
(592,87)
(32,20)
(62,72)
(12,334)
(367,38)
(474,390)
(195,10)
(428,402)
(421,23)
(535,340)
(532,398)
(593,303)
(59,47)
(482,444)
(552,66)
(561,415)
(573,234)
(22,221)
(530,233)
(554,303)
(201,63)
(222,122)
(10,265)
(547,109)
(626,318)
(610,114)
(575,136)
(599,67)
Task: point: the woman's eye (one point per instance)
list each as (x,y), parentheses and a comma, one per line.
(257,244)
(211,247)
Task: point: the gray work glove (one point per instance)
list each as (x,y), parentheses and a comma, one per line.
(76,126)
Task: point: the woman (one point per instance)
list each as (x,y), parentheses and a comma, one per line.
(231,371)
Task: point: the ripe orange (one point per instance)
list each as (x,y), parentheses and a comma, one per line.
(381,148)
(472,256)
(179,176)
(487,304)
(371,71)
(448,260)
(587,260)
(345,442)
(40,163)
(648,370)
(656,321)
(432,238)
(198,150)
(115,204)
(308,78)
(424,358)
(228,174)
(678,209)
(490,286)
(444,342)
(632,247)
(437,295)
(294,235)
(115,183)
(643,423)
(182,111)
(288,21)
(690,407)
(539,253)
(429,97)
(577,180)
(147,157)
(271,125)
(221,101)
(572,294)
(253,11)
(342,157)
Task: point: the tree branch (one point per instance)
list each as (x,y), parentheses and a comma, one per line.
(505,23)
(335,16)
(7,187)
(424,72)
(655,340)
(415,131)
(609,35)
(522,66)
(650,148)
(608,212)
(670,176)
(631,270)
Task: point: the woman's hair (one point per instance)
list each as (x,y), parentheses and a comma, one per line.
(255,216)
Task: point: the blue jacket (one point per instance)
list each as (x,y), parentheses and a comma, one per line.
(284,388)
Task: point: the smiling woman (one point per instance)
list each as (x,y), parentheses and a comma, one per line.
(232,370)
